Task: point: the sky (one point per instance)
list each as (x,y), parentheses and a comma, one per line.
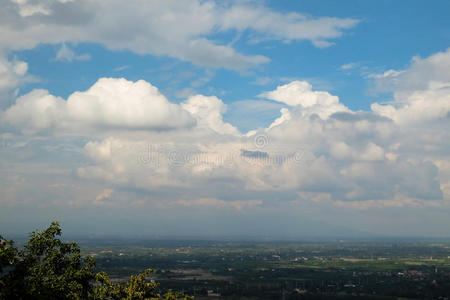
(236,119)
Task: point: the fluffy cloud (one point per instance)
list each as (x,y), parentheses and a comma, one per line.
(109,104)
(300,94)
(422,73)
(421,105)
(178,29)
(208,112)
(317,151)
(12,75)
(316,147)
(421,92)
(349,160)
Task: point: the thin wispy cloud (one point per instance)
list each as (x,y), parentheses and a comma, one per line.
(65,54)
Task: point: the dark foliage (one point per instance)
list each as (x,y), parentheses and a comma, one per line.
(48,268)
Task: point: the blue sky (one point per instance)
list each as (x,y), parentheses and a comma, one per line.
(388,36)
(341,85)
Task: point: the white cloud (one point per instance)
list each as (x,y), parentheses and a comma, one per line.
(179,29)
(109,104)
(316,151)
(12,75)
(421,105)
(301,95)
(349,66)
(352,156)
(391,74)
(285,116)
(370,152)
(208,111)
(418,76)
(421,92)
(287,27)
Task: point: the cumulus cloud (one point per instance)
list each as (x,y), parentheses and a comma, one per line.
(348,161)
(301,95)
(418,76)
(178,29)
(347,155)
(13,73)
(109,104)
(208,112)
(421,92)
(421,105)
(317,150)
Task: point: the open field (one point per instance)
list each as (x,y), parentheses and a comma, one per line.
(291,270)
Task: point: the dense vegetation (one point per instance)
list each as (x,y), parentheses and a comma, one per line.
(48,268)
